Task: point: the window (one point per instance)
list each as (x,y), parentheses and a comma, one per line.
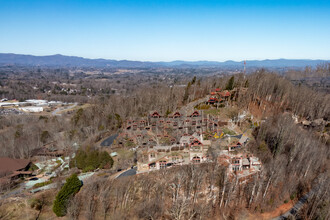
(162,164)
(196,160)
(235,161)
(235,168)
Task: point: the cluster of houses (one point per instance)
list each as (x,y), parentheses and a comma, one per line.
(178,139)
(178,123)
(218,96)
(240,164)
(194,149)
(47,151)
(190,149)
(157,130)
(46,158)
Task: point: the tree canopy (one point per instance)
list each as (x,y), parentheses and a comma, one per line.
(71,187)
(88,160)
(230,83)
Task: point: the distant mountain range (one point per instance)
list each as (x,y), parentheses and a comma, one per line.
(72,61)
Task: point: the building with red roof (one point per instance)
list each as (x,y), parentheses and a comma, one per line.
(11,169)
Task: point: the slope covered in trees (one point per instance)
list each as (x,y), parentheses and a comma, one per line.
(295,157)
(294,163)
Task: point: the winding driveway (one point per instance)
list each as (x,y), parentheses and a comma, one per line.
(130,172)
(56,111)
(296,208)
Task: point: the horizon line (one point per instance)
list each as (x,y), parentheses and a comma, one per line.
(162,61)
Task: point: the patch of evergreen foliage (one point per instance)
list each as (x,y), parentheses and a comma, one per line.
(70,188)
(37,185)
(33,167)
(88,160)
(230,83)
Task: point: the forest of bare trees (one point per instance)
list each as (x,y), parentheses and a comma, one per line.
(295,159)
(294,164)
(89,123)
(284,96)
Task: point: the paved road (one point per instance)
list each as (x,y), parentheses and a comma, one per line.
(82,177)
(236,136)
(130,172)
(14,192)
(295,209)
(108,142)
(190,107)
(55,112)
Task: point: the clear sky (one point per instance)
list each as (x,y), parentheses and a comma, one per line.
(167,30)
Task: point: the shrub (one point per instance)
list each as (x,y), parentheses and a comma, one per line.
(41,117)
(92,159)
(101,127)
(77,116)
(88,168)
(227,131)
(37,185)
(44,136)
(70,188)
(33,167)
(36,204)
(202,107)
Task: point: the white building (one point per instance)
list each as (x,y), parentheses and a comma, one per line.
(37,101)
(31,109)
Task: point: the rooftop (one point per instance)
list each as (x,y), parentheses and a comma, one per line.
(9,165)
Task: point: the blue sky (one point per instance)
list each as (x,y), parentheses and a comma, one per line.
(155,30)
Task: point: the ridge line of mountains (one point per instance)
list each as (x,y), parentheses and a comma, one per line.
(74,61)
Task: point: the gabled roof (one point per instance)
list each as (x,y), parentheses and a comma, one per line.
(195,113)
(176,114)
(155,114)
(43,151)
(9,164)
(163,158)
(196,141)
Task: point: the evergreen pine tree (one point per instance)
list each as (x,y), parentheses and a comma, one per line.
(230,83)
(71,187)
